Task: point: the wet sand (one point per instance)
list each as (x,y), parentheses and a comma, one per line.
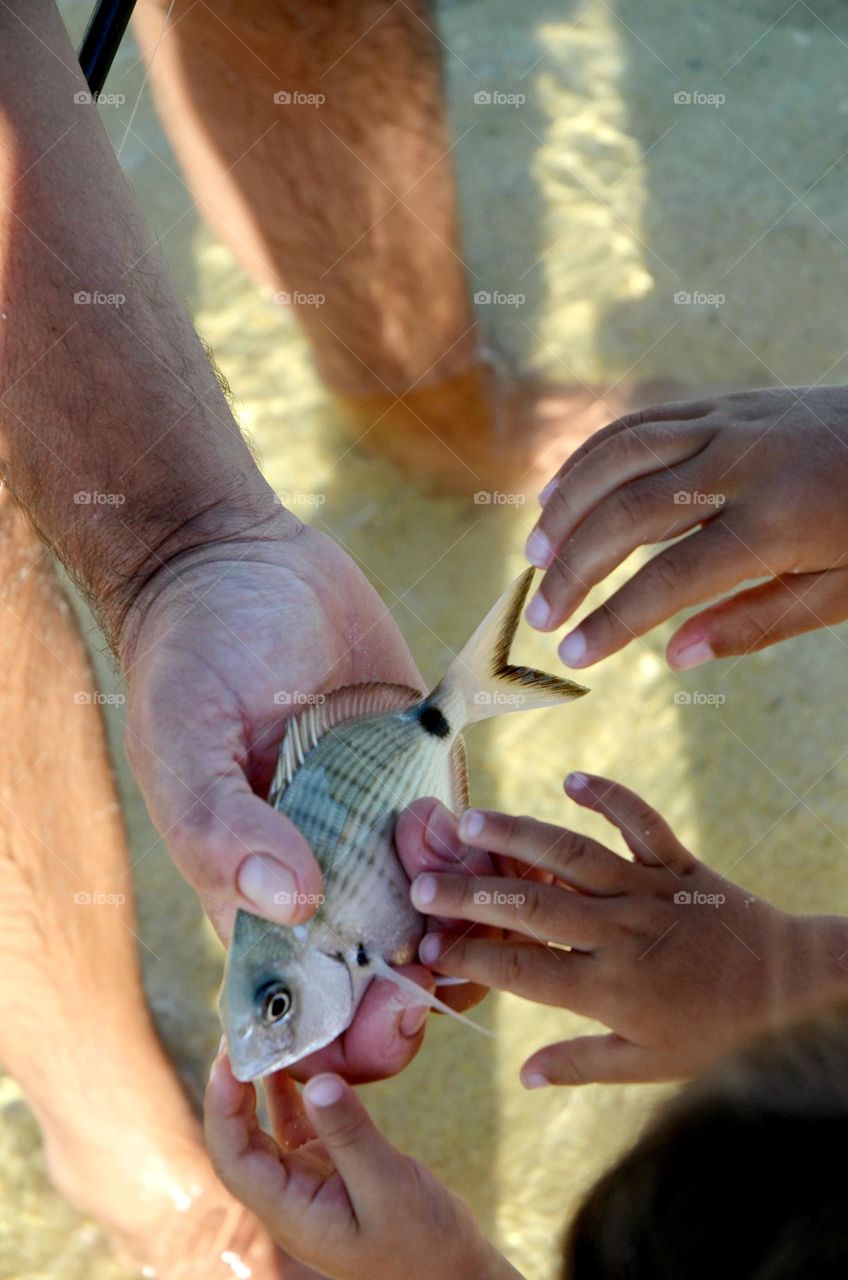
(598,200)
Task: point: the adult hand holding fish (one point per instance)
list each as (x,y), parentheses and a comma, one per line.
(219,649)
(333,1192)
(757,481)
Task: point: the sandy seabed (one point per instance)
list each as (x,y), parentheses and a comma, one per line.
(598,199)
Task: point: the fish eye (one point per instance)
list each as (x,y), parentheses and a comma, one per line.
(275,1000)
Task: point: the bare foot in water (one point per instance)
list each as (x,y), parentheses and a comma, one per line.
(122,1142)
(473,435)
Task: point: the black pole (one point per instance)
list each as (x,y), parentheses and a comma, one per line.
(102,37)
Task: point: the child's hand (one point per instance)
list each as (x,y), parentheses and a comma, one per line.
(764,474)
(676,960)
(333,1192)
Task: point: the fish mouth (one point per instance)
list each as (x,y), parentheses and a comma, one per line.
(264,1067)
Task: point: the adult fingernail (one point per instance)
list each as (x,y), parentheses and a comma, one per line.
(535,1080)
(429,948)
(538,611)
(547,491)
(471,824)
(423,891)
(573,649)
(692,656)
(441,834)
(269,885)
(324,1091)
(538,550)
(413,1020)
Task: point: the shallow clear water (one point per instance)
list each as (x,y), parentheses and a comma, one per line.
(597,200)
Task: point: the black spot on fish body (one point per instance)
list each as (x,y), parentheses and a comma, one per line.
(362,956)
(432,721)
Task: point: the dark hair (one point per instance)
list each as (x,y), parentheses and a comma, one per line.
(743,1174)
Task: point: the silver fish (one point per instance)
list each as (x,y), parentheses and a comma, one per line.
(347,767)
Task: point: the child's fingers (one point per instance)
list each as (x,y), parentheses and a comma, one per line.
(604,1059)
(427,839)
(648,836)
(698,567)
(637,514)
(245,1159)
(544,974)
(286,1112)
(751,620)
(581,862)
(367,1164)
(678,412)
(545,913)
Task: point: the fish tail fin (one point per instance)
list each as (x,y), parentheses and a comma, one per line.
(482,673)
(418,995)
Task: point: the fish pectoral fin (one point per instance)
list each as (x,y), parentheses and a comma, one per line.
(305,729)
(415,995)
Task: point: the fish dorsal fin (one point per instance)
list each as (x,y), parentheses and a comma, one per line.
(459,776)
(486,679)
(305,729)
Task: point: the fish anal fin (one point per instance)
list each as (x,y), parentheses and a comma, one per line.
(306,727)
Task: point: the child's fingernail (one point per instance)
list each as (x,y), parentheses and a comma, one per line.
(692,656)
(577,781)
(538,611)
(429,948)
(548,490)
(535,1080)
(222,1047)
(423,891)
(324,1091)
(471,824)
(538,550)
(573,649)
(413,1020)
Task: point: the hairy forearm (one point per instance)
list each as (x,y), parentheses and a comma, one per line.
(115,436)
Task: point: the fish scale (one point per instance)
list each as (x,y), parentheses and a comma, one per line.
(347,767)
